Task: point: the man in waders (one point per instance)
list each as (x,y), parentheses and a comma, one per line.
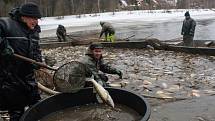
(188,30)
(96,66)
(61,33)
(19,34)
(109,31)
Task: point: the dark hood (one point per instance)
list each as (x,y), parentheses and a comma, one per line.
(14,13)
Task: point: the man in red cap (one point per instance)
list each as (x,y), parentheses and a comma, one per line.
(188,29)
(19,34)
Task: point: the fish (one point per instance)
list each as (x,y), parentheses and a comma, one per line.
(121,84)
(163,95)
(46,90)
(103,94)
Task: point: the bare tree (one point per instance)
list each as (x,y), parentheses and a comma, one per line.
(68,7)
(98,4)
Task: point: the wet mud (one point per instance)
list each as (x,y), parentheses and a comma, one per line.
(161,76)
(178,86)
(201,109)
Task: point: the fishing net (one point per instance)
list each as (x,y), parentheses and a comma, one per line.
(44,77)
(70,77)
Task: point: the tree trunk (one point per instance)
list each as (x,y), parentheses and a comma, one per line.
(98,5)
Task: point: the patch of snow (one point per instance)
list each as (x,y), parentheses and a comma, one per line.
(124,3)
(131,17)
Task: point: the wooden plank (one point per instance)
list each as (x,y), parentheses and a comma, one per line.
(193,50)
(62,44)
(159,45)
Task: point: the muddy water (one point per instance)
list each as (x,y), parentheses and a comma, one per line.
(166,30)
(162,30)
(158,73)
(94,112)
(201,109)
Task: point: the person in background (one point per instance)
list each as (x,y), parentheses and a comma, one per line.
(19,34)
(188,30)
(61,33)
(96,66)
(108,30)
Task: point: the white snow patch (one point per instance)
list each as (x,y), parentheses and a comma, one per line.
(131,17)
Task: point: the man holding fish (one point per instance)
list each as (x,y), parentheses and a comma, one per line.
(94,61)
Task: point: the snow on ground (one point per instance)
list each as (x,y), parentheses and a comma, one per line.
(128,17)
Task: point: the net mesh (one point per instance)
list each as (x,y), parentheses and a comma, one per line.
(70,77)
(45,78)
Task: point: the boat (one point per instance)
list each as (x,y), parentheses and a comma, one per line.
(52,42)
(202,47)
(49,45)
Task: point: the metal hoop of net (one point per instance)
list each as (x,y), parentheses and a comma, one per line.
(70,77)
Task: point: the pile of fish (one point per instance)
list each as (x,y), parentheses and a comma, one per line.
(153,73)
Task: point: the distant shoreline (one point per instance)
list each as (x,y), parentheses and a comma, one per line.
(90,22)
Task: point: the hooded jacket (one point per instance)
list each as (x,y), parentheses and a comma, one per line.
(61,30)
(17,76)
(188,27)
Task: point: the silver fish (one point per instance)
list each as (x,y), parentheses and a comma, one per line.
(103,94)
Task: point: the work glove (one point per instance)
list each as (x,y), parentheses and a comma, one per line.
(7,52)
(119,73)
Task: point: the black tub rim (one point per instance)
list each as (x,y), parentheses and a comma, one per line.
(143,118)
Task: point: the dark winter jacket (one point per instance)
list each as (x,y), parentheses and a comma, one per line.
(107,28)
(61,31)
(188,27)
(95,66)
(17,83)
